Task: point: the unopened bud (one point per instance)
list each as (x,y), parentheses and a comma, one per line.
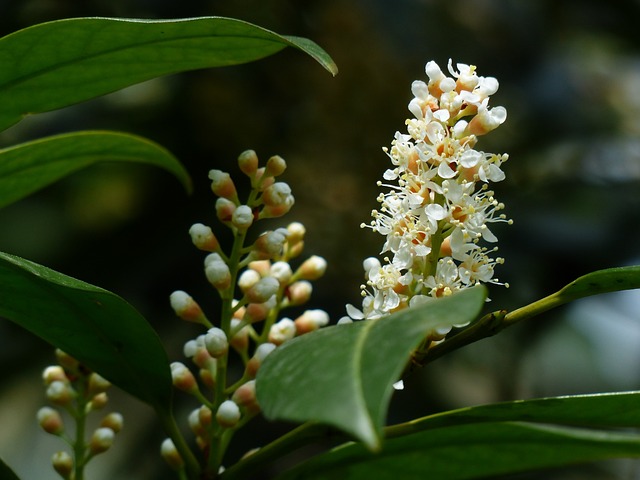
(296,232)
(98,384)
(263,290)
(186,307)
(98,401)
(217,271)
(258,357)
(66,361)
(182,378)
(228,414)
(248,279)
(312,268)
(63,464)
(205,415)
(203,238)
(222,185)
(245,397)
(114,421)
(60,393)
(270,244)
(53,373)
(216,342)
(50,420)
(262,181)
(224,209)
(311,320)
(248,162)
(281,271)
(299,292)
(256,312)
(240,340)
(101,440)
(275,166)
(283,330)
(277,194)
(170,454)
(261,266)
(242,217)
(194,423)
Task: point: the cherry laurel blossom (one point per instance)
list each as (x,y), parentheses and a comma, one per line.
(437,212)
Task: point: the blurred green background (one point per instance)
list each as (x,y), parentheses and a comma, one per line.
(570,79)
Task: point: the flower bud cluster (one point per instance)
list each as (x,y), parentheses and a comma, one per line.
(78,391)
(438,207)
(255,282)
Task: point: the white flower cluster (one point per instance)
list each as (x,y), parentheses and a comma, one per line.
(439,207)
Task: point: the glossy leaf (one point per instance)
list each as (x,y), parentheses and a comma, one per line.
(598,410)
(343,375)
(483,450)
(30,166)
(93,325)
(59,63)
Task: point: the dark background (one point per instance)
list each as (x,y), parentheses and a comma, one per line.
(570,79)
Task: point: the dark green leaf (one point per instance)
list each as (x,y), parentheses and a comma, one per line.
(6,473)
(56,64)
(343,375)
(93,325)
(483,450)
(30,166)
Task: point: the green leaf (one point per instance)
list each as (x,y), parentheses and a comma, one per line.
(460,452)
(93,325)
(56,64)
(30,166)
(343,375)
(6,473)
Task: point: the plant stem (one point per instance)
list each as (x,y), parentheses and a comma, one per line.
(305,434)
(192,467)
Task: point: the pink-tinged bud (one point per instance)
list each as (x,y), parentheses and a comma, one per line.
(217,271)
(245,397)
(222,185)
(258,357)
(207,378)
(275,166)
(283,330)
(50,420)
(299,292)
(487,120)
(216,342)
(98,384)
(54,373)
(67,361)
(98,401)
(60,393)
(239,341)
(277,194)
(62,463)
(263,290)
(101,440)
(205,415)
(224,209)
(170,454)
(281,271)
(311,320)
(256,312)
(203,238)
(194,423)
(242,217)
(186,307)
(261,266)
(295,249)
(228,414)
(270,244)
(248,279)
(262,181)
(312,268)
(248,162)
(182,378)
(114,421)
